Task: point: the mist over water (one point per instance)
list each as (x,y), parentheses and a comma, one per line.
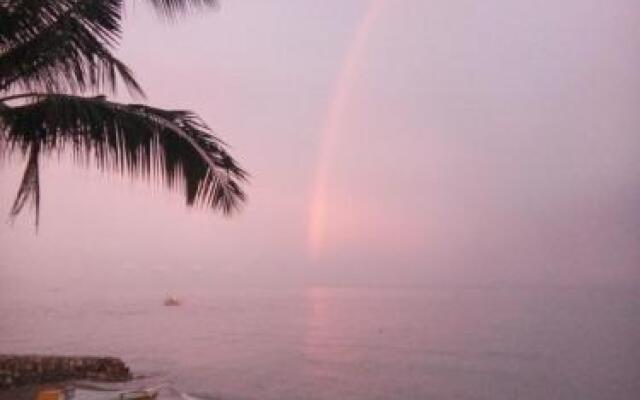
(347,343)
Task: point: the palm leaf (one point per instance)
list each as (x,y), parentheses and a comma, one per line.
(62,46)
(133,139)
(171,8)
(29,190)
(20,19)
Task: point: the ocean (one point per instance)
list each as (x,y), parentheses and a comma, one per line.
(465,343)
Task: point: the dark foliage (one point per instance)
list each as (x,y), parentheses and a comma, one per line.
(53,56)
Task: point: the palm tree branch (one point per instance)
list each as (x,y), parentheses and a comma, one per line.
(29,189)
(171,8)
(131,138)
(23,19)
(70,51)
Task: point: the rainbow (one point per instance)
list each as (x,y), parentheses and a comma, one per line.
(328,137)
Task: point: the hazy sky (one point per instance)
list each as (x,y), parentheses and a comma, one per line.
(473,142)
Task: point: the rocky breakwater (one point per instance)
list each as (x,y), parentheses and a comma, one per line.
(19,370)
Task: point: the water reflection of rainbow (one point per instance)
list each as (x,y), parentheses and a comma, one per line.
(328,137)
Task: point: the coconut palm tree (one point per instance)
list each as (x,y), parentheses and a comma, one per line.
(57,63)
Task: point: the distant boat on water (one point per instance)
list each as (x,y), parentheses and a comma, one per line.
(171,301)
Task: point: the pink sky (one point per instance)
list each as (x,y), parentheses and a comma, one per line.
(474,142)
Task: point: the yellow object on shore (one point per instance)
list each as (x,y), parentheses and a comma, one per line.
(54,393)
(50,394)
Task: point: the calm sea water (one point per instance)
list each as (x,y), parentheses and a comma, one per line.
(349,343)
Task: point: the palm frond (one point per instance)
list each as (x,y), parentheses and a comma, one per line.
(29,190)
(21,19)
(133,139)
(62,46)
(172,8)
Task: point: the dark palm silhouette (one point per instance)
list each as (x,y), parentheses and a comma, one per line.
(56,60)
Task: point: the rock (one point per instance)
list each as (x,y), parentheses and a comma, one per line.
(18,370)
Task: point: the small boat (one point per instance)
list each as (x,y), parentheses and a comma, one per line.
(148,394)
(171,301)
